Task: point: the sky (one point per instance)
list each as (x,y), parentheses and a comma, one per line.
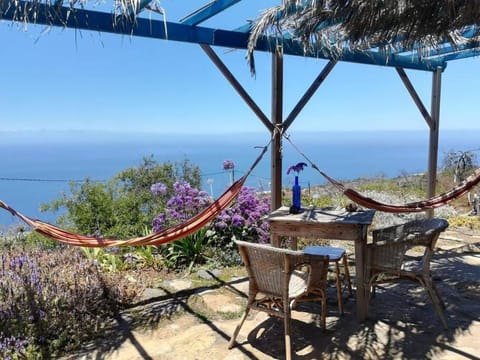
(61,80)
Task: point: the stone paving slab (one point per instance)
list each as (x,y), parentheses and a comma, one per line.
(402,323)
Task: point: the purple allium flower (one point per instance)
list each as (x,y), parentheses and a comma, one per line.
(158,222)
(237,220)
(228,165)
(221,225)
(185,203)
(245,219)
(297,168)
(158,189)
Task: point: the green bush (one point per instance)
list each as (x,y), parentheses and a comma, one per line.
(123,206)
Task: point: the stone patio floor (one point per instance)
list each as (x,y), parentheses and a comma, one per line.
(184,322)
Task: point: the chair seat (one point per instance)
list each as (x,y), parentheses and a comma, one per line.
(334,253)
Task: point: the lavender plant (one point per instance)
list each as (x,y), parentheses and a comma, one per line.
(51,301)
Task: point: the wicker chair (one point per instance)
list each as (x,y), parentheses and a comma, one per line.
(385,256)
(276,283)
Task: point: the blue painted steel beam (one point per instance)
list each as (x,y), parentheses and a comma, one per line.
(83,19)
(459,51)
(207,11)
(365,57)
(457,54)
(468,33)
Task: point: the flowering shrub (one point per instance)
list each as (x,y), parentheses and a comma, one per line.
(53,301)
(158,189)
(185,203)
(244,219)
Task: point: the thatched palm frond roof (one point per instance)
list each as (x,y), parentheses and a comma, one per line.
(359,24)
(28,10)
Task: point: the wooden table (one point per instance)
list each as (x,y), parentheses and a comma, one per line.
(328,224)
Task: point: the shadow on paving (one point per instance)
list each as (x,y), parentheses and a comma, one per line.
(402,322)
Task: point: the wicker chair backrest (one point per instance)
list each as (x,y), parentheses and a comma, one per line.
(390,244)
(270,268)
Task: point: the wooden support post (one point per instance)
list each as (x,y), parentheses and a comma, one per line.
(433,122)
(434,132)
(277,107)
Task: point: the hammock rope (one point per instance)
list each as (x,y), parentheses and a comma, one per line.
(173,233)
(417,206)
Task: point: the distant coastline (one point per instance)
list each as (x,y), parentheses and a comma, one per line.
(76,155)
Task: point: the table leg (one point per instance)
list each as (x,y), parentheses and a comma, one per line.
(293,242)
(275,239)
(362,300)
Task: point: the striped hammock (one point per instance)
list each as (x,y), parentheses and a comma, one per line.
(417,206)
(173,233)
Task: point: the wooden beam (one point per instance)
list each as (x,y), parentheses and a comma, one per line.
(237,86)
(277,106)
(415,97)
(308,94)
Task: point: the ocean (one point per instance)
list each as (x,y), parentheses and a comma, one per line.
(36,167)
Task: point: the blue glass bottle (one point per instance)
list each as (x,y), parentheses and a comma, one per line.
(296,195)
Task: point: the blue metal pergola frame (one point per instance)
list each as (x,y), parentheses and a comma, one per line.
(130,22)
(187,30)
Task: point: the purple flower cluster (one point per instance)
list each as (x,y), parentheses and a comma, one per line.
(48,295)
(297,168)
(228,165)
(185,203)
(244,219)
(11,346)
(158,189)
